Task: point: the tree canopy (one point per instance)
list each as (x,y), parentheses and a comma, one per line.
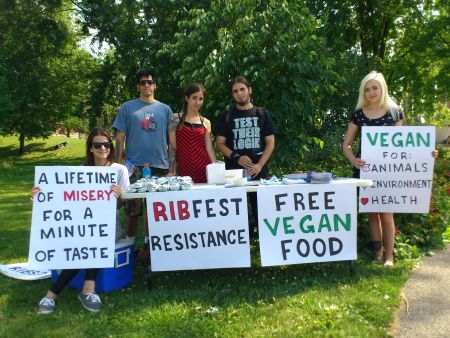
(305,59)
(274,44)
(42,69)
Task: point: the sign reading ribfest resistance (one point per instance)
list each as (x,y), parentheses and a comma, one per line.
(198,229)
(307,223)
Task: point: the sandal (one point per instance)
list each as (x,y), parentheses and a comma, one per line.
(378,252)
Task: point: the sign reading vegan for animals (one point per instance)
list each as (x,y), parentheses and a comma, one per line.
(198,229)
(307,223)
(74,218)
(399,161)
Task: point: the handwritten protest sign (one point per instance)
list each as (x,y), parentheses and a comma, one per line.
(198,229)
(74,218)
(21,271)
(307,223)
(400,163)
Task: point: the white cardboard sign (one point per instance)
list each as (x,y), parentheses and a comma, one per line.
(74,218)
(399,161)
(307,223)
(198,229)
(21,271)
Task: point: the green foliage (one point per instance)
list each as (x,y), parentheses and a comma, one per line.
(134,31)
(274,44)
(425,230)
(42,68)
(408,41)
(74,124)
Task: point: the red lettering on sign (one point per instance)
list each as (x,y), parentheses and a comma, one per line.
(159,210)
(183,212)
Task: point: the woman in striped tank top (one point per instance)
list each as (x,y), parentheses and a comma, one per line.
(190,137)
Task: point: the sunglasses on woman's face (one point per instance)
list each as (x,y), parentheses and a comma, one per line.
(98,145)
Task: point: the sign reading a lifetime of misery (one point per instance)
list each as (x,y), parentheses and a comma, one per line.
(198,229)
(74,218)
(399,161)
(307,223)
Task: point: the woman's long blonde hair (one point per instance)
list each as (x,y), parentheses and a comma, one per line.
(386,102)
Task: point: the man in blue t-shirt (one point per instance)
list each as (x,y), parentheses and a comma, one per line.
(141,126)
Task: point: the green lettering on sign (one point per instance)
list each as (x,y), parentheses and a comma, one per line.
(324,223)
(273,230)
(287,226)
(372,141)
(309,228)
(347,224)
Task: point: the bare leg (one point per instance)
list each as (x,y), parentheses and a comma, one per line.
(51,295)
(88,287)
(376,234)
(387,223)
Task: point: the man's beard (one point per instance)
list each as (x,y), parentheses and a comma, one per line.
(243,102)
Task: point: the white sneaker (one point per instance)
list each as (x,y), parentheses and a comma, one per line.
(46,305)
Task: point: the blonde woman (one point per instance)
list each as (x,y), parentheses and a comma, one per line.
(374,108)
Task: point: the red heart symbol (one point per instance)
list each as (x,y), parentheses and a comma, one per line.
(364,200)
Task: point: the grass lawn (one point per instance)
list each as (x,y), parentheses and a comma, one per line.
(305,300)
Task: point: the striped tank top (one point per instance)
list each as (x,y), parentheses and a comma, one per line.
(191,151)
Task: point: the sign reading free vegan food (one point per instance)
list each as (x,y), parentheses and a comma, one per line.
(307,223)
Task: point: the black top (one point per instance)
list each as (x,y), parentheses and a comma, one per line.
(358,118)
(245,132)
(361,120)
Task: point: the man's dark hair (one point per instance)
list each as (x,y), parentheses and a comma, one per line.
(239,79)
(144,73)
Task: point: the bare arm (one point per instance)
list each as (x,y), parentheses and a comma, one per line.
(399,123)
(352,130)
(172,153)
(268,150)
(208,142)
(220,144)
(120,144)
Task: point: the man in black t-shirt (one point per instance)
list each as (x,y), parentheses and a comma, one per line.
(244,133)
(245,137)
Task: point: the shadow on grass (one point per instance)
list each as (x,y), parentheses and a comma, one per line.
(13,151)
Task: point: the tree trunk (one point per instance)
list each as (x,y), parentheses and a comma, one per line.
(21,143)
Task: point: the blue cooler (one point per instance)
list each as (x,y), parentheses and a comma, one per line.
(109,279)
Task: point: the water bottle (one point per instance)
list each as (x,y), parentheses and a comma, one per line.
(246,175)
(146,171)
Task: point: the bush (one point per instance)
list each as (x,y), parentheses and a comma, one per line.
(425,230)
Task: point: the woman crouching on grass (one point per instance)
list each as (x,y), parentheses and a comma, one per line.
(99,152)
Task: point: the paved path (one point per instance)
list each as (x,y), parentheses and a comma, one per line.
(425,308)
